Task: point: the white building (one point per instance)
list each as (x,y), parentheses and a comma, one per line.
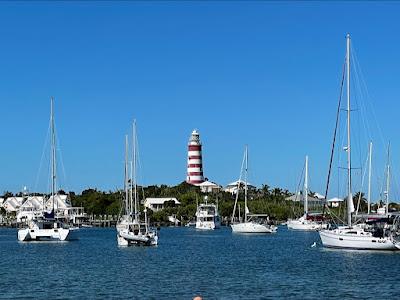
(60,202)
(299,197)
(33,202)
(209,187)
(319,196)
(233,186)
(32,206)
(12,204)
(335,202)
(156,204)
(65,210)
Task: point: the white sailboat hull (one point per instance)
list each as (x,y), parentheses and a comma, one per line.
(252,227)
(121,226)
(127,238)
(343,238)
(305,225)
(132,233)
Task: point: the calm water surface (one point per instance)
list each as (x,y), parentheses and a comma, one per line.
(216,265)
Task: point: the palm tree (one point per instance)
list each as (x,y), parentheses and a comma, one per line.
(360,196)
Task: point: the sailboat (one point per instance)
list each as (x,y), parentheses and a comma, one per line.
(306,222)
(355,236)
(252,223)
(130,229)
(46,226)
(381,212)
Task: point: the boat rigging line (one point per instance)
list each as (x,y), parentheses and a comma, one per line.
(334,139)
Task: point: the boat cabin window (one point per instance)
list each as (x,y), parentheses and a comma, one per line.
(47,225)
(134,227)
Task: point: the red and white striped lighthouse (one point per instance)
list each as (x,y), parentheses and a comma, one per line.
(195,164)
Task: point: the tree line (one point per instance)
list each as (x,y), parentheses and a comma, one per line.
(263,200)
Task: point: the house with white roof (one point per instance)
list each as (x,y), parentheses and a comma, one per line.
(209,187)
(156,204)
(60,202)
(334,202)
(33,202)
(233,186)
(32,206)
(319,196)
(64,209)
(299,198)
(12,204)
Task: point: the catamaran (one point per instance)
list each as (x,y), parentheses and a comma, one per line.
(45,226)
(307,222)
(356,236)
(252,223)
(130,229)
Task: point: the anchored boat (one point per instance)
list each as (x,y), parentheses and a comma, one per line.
(45,226)
(207,217)
(357,236)
(252,223)
(307,222)
(131,230)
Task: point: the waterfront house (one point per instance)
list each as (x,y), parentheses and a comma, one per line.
(33,203)
(233,186)
(31,206)
(65,210)
(12,204)
(209,187)
(334,202)
(156,204)
(312,200)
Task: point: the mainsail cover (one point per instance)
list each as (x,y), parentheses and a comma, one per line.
(49,215)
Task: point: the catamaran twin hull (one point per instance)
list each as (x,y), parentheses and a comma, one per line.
(53,234)
(250,227)
(336,239)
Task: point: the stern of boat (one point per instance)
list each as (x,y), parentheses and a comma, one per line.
(121,241)
(65,234)
(24,235)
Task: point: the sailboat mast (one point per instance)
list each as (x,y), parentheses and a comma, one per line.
(238,188)
(387,180)
(369,177)
(350,196)
(53,152)
(131,188)
(245,183)
(306,188)
(234,206)
(126,176)
(134,168)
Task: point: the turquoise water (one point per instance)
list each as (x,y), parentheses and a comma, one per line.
(215,265)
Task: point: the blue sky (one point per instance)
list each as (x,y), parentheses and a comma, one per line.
(265,74)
